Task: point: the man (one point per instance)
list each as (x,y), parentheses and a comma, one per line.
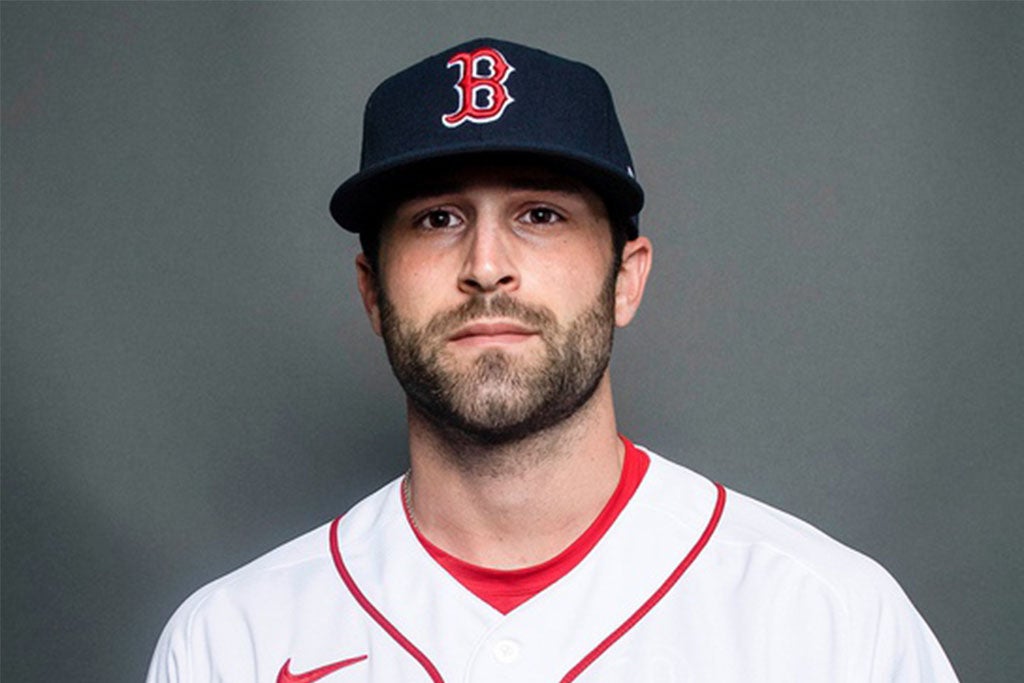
(497,208)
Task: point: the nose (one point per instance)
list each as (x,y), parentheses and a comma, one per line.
(489,265)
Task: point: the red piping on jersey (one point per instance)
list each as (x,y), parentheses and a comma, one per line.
(388,627)
(574,672)
(506,589)
(658,595)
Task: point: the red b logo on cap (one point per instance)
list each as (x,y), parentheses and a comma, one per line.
(474,85)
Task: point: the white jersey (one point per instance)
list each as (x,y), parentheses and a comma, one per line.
(691,583)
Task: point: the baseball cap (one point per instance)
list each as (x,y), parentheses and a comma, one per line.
(490,98)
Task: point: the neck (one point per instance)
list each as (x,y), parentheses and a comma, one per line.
(514,505)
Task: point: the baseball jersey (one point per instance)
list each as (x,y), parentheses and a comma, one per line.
(690,583)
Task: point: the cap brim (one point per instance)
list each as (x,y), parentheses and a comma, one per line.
(357,205)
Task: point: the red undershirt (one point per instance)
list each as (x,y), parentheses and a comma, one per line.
(504,590)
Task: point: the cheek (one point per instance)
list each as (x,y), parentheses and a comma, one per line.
(579,274)
(412,285)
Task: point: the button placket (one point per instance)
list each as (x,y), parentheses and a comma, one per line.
(506,651)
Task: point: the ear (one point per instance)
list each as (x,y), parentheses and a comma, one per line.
(367,280)
(632,278)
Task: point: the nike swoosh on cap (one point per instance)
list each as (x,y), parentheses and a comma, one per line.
(286,676)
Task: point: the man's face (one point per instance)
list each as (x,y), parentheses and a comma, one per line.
(496,299)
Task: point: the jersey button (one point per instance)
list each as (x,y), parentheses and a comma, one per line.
(506,651)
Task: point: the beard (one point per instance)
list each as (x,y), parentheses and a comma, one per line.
(501,398)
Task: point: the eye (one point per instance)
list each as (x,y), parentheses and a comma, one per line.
(437,219)
(541,215)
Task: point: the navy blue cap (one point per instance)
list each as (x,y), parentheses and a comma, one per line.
(490,98)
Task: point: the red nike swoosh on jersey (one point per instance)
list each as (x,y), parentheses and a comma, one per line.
(286,676)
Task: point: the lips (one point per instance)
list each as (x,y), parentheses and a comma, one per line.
(500,332)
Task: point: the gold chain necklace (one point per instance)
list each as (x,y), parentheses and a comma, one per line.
(407,499)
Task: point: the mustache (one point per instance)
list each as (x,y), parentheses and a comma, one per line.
(498,306)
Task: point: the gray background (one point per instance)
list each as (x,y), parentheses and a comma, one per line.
(834,323)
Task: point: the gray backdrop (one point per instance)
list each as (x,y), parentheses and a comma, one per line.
(834,323)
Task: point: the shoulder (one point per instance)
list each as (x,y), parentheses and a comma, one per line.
(772,569)
(294,562)
(217,612)
(255,605)
(751,527)
(295,558)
